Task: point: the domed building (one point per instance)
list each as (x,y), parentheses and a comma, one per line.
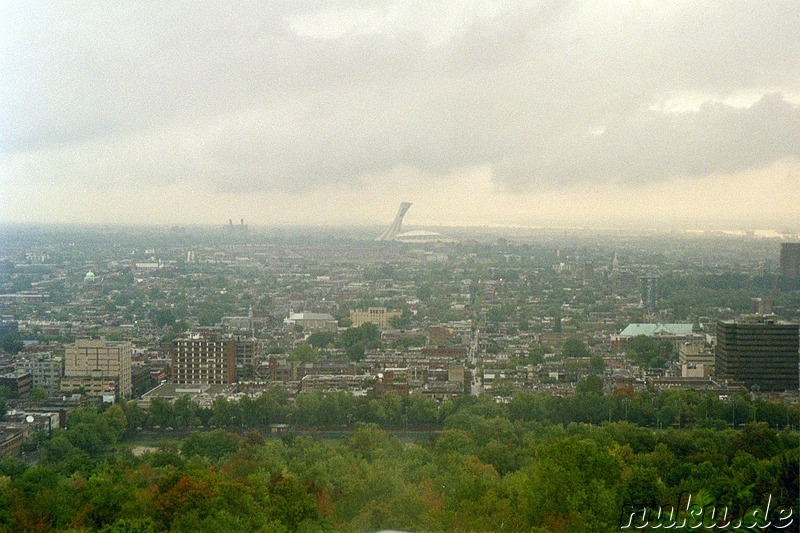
(420,236)
(394,231)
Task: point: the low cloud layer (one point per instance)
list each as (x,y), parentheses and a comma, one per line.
(267,96)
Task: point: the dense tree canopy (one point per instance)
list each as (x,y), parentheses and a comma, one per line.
(492,468)
(320,339)
(574,347)
(357,340)
(649,352)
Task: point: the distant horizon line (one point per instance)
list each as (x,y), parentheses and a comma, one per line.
(762,232)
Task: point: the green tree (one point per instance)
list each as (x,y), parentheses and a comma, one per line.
(165,317)
(321,339)
(271,406)
(355,351)
(117,421)
(185,413)
(93,432)
(392,405)
(6,393)
(403,343)
(226,413)
(161,413)
(135,415)
(307,409)
(590,385)
(536,355)
(11,342)
(528,407)
(758,440)
(366,334)
(210,315)
(649,352)
(597,365)
(572,486)
(424,292)
(292,504)
(402,321)
(573,347)
(421,411)
(214,444)
(305,353)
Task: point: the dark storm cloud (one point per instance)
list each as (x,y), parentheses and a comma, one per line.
(260,96)
(647,146)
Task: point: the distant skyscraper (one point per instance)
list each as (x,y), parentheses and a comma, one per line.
(790,260)
(759,351)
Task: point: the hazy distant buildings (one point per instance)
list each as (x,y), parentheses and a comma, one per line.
(790,260)
(311,322)
(380,316)
(420,236)
(8,325)
(762,305)
(759,351)
(673,332)
(202,394)
(588,271)
(648,286)
(237,229)
(99,368)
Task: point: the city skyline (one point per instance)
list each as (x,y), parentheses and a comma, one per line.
(657,115)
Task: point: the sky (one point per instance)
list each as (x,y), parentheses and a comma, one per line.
(651,113)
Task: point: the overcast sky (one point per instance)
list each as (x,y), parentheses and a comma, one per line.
(655,113)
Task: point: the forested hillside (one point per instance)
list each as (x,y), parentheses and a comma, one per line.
(486,470)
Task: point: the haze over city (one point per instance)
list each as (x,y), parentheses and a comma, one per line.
(612,114)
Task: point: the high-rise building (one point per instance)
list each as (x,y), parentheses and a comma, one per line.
(759,351)
(204,360)
(100,368)
(790,260)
